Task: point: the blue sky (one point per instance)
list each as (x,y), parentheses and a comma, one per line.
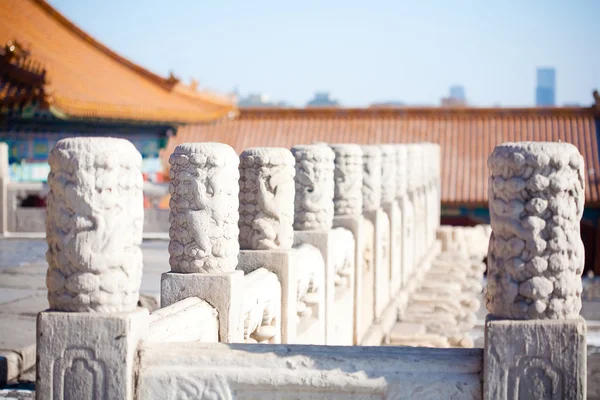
(360,51)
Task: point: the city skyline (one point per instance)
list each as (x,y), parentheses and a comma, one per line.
(360,53)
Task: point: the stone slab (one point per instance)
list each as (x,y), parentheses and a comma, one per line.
(283,264)
(223,291)
(269,372)
(324,240)
(179,322)
(88,355)
(535,359)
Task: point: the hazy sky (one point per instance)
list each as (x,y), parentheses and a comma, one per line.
(360,51)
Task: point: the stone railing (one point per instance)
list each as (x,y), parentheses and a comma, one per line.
(320,245)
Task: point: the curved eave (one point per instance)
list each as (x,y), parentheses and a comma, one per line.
(68,109)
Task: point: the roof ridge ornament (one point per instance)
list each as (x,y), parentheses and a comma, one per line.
(172,79)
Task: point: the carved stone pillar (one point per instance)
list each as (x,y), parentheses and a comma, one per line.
(266,196)
(94,231)
(94,221)
(266,199)
(401,234)
(372,255)
(204,208)
(204,232)
(348,210)
(410,212)
(313,203)
(348,178)
(371,188)
(313,222)
(386,276)
(535,339)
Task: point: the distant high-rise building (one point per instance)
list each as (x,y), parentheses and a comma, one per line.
(545,91)
(456,97)
(457,92)
(322,99)
(259,100)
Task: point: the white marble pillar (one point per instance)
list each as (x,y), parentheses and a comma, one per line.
(204,233)
(535,345)
(266,197)
(87,341)
(313,222)
(348,214)
(374,231)
(402,171)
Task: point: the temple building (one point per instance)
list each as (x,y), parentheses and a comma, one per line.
(56,81)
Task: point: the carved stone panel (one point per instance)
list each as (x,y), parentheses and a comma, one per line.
(88,355)
(269,372)
(262,307)
(204,208)
(535,359)
(94,224)
(266,198)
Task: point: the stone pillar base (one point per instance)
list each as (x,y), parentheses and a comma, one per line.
(283,264)
(535,359)
(223,291)
(88,355)
(339,306)
(355,224)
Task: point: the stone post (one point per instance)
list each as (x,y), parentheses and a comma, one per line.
(313,222)
(87,341)
(266,224)
(348,209)
(204,233)
(4,179)
(374,232)
(381,176)
(535,344)
(409,213)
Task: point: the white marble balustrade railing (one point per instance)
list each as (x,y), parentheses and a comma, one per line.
(322,245)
